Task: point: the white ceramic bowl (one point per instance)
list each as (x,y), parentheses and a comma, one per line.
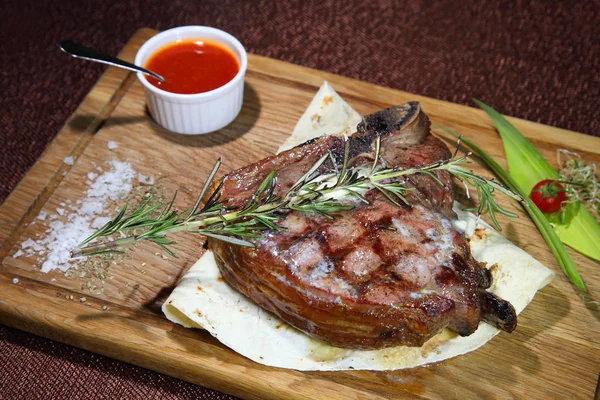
(194,114)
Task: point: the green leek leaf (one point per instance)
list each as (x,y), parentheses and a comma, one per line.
(527,167)
(525,164)
(582,234)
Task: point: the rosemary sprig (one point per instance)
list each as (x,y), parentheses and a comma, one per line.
(485,193)
(322,192)
(564,260)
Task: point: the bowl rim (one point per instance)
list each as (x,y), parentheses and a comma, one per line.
(150,46)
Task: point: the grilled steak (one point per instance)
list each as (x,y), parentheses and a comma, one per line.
(379,275)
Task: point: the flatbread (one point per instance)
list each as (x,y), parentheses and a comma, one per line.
(327,114)
(203,300)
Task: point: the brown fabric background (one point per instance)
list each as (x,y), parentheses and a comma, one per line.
(537,59)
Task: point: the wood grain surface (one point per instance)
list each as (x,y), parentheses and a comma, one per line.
(554,352)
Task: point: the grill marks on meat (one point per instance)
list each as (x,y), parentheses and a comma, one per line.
(379,275)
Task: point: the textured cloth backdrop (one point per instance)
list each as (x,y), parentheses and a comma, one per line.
(538,60)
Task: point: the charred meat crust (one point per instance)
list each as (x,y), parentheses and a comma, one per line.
(498,312)
(379,275)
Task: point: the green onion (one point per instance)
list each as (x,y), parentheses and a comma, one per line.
(559,251)
(527,166)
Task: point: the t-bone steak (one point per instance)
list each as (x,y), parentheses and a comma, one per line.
(378,275)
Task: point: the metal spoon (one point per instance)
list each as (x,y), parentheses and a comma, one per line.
(80,51)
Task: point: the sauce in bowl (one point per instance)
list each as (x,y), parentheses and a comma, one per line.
(192,66)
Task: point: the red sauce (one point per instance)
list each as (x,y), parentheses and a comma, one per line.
(192,66)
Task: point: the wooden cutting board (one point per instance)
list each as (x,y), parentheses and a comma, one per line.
(554,353)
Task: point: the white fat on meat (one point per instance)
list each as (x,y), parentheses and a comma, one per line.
(294,225)
(343,233)
(361,261)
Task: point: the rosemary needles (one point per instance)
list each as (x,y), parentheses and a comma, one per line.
(325,189)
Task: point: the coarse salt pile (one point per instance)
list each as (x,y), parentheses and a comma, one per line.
(81,219)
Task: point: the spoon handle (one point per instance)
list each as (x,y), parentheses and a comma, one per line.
(81,51)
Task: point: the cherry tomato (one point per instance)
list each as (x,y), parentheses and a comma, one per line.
(548,195)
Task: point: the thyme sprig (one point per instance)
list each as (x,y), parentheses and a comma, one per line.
(323,189)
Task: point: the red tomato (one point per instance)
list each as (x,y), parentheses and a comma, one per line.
(548,195)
